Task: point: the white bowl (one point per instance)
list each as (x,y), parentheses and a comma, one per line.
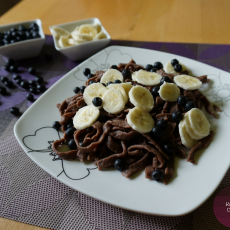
(83,50)
(23,49)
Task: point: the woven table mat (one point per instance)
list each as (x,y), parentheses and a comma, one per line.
(30,195)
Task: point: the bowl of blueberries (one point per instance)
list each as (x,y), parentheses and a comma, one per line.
(21,40)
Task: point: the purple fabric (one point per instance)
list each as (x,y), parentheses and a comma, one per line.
(30,195)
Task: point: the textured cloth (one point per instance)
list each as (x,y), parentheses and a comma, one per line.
(30,195)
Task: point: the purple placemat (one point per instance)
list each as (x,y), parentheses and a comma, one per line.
(30,195)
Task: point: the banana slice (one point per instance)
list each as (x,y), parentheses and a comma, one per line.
(113,101)
(71,41)
(63,42)
(169,91)
(97,27)
(185,138)
(100,35)
(168,68)
(92,91)
(121,89)
(127,86)
(141,98)
(57,32)
(198,122)
(187,82)
(88,29)
(78,36)
(189,130)
(85,117)
(140,120)
(111,75)
(146,78)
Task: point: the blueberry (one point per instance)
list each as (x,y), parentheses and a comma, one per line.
(39,79)
(153,70)
(86,71)
(22,28)
(117,82)
(33,24)
(148,67)
(33,89)
(13,68)
(15,77)
(126,73)
(4,79)
(162,124)
(82,89)
(157,132)
(189,105)
(48,56)
(28,35)
(168,147)
(76,90)
(24,84)
(72,145)
(97,101)
(7,68)
(18,81)
(91,82)
(165,79)
(177,116)
(41,87)
(158,65)
(114,67)
(9,84)
(174,62)
(102,118)
(155,91)
(119,165)
(32,70)
(1,43)
(70,125)
(12,41)
(14,110)
(30,97)
(13,34)
(181,100)
(32,83)
(10,62)
(110,82)
(13,29)
(2,90)
(35,35)
(56,125)
(69,132)
(90,75)
(158,175)
(178,68)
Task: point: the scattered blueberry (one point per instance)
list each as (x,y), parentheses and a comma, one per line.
(114,67)
(4,79)
(7,68)
(97,101)
(181,100)
(82,89)
(168,147)
(177,116)
(155,91)
(90,75)
(158,65)
(69,132)
(13,68)
(110,82)
(174,62)
(33,89)
(70,125)
(158,175)
(165,79)
(72,145)
(2,90)
(10,62)
(18,81)
(30,97)
(32,70)
(117,81)
(178,68)
(41,87)
(39,79)
(15,77)
(56,125)
(153,70)
(148,67)
(9,84)
(190,105)
(32,83)
(14,110)
(162,124)
(119,165)
(86,71)
(91,82)
(126,73)
(102,118)
(157,132)
(24,84)
(76,90)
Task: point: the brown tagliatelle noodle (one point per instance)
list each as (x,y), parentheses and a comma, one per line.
(105,142)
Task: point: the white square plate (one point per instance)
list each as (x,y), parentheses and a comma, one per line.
(191,185)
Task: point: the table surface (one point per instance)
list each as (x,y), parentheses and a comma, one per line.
(191,21)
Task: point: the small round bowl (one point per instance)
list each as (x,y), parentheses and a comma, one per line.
(83,50)
(23,49)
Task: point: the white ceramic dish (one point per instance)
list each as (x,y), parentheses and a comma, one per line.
(191,185)
(83,50)
(24,49)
